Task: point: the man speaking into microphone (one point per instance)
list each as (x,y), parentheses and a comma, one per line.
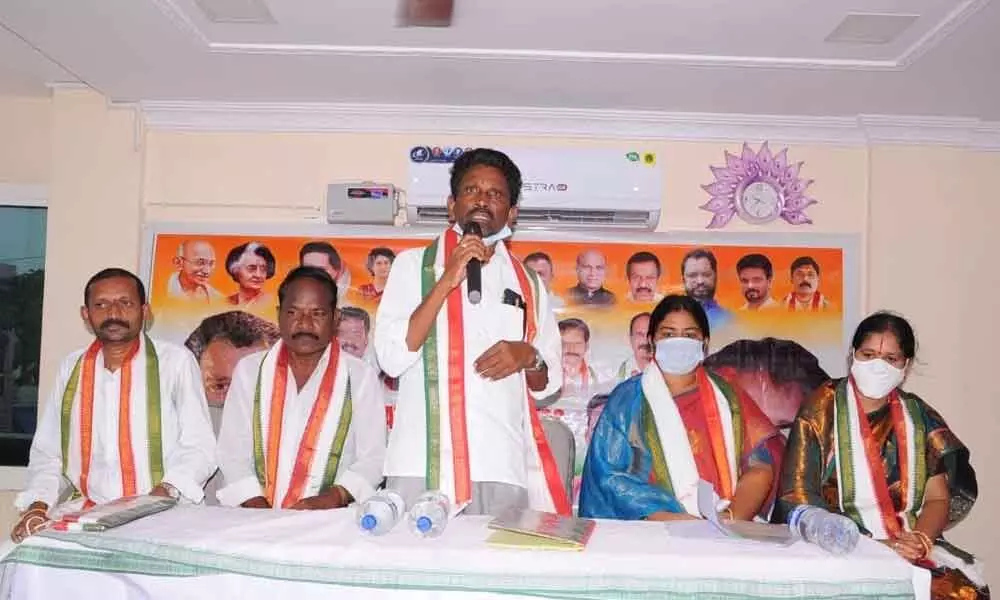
(472,337)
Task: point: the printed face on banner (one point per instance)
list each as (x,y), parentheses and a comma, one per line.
(195,264)
(700,277)
(353,331)
(380,267)
(642,350)
(221,340)
(543,268)
(321,261)
(217,363)
(805,280)
(756,284)
(643,279)
(574,349)
(591,270)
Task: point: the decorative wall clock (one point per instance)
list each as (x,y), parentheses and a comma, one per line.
(759,187)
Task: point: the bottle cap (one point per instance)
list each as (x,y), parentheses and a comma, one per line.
(368,522)
(796,515)
(424,524)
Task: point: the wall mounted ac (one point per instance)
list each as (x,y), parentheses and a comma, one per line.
(563,187)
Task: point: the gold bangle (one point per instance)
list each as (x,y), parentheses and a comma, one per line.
(729,511)
(37,510)
(925,541)
(33,519)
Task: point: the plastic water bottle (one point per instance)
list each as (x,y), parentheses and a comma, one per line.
(834,533)
(428,515)
(379,513)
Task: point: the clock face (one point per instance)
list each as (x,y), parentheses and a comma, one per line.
(759,202)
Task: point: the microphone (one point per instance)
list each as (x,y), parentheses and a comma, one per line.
(473,268)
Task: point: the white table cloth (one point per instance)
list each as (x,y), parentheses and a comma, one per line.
(213,552)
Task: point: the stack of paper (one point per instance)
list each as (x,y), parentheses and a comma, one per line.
(708,501)
(532,529)
(113,514)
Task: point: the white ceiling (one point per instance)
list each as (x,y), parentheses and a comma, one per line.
(23,70)
(711,56)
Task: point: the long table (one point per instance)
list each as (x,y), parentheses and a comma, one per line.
(212,552)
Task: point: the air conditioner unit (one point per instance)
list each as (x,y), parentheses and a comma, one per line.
(563,187)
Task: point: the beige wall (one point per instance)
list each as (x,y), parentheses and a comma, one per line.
(25,139)
(94,216)
(927,212)
(933,247)
(284,176)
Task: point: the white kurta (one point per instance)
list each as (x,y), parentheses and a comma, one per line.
(495,410)
(188,442)
(360,468)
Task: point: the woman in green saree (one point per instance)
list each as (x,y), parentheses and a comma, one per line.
(865,448)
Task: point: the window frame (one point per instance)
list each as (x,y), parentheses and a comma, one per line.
(21,195)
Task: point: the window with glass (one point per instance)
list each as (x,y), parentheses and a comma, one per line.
(22,274)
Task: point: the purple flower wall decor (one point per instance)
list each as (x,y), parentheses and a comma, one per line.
(760,187)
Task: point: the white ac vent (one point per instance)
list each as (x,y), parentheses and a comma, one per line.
(590,188)
(546,217)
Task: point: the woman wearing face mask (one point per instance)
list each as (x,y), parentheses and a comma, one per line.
(674,424)
(865,448)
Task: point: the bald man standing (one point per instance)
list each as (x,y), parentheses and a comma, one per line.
(195,262)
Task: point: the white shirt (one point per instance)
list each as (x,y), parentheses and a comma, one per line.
(188,442)
(495,410)
(360,468)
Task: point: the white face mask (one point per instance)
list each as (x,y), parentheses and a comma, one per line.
(679,355)
(875,377)
(504,233)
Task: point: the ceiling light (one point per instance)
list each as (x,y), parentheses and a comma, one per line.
(860,28)
(236,11)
